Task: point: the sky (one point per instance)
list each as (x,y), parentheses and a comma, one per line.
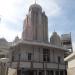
(61,17)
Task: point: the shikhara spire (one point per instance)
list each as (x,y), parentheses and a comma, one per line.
(54,27)
(32,29)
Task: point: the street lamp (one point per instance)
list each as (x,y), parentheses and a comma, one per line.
(4,61)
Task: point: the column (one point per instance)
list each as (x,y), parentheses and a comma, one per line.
(45,72)
(59,72)
(63,72)
(34,72)
(37,72)
(54,72)
(6,70)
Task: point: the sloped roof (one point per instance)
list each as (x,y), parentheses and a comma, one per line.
(70,57)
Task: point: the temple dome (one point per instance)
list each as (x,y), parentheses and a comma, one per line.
(33,6)
(3,42)
(16,39)
(55,39)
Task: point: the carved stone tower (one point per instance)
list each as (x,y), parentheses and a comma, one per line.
(35,27)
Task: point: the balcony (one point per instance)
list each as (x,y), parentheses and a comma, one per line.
(37,65)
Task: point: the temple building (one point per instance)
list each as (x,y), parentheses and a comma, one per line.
(35,26)
(34,54)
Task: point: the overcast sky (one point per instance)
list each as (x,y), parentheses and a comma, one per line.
(61,16)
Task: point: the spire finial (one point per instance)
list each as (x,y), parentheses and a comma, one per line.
(35,1)
(54,27)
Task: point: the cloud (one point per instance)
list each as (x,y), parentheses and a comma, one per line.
(13,13)
(11,20)
(50,7)
(17,9)
(8,34)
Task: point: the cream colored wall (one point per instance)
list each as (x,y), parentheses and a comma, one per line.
(71,63)
(37,57)
(58,53)
(71,67)
(71,71)
(37,54)
(12,71)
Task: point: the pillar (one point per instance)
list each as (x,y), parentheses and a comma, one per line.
(37,72)
(54,72)
(63,72)
(59,72)
(34,72)
(45,72)
(6,70)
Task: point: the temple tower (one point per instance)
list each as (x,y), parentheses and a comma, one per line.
(35,27)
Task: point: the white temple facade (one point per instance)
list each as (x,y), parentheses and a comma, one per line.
(33,54)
